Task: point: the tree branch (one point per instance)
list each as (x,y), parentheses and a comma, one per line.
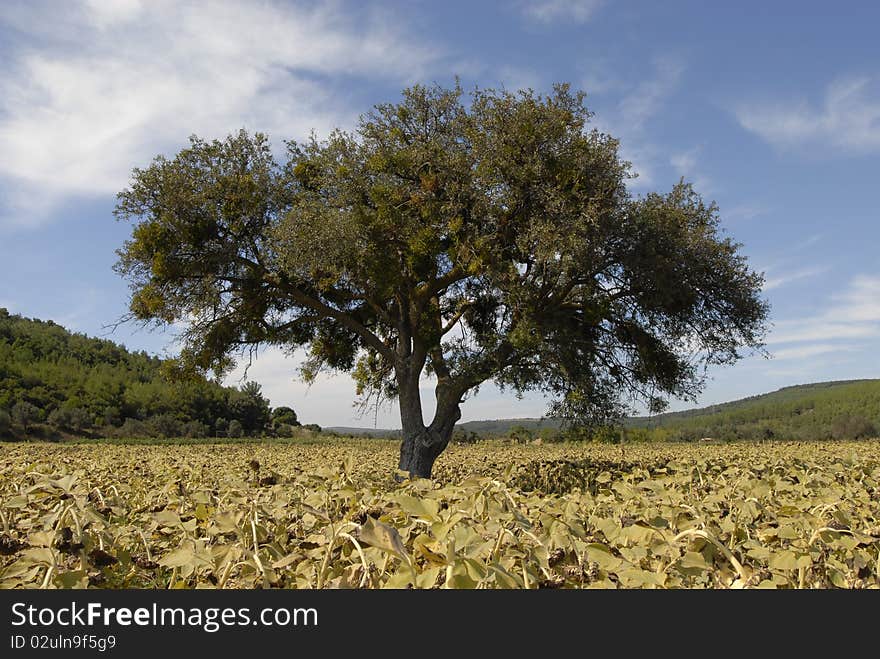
(346,319)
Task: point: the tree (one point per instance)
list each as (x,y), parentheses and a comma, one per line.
(5,418)
(285,415)
(24,414)
(251,408)
(495,240)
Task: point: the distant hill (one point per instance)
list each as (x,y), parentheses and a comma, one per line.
(56,383)
(504,426)
(490,428)
(822,410)
(348,431)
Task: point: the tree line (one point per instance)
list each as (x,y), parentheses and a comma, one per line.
(840,410)
(54,382)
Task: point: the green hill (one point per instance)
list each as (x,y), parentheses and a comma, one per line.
(848,409)
(824,410)
(57,383)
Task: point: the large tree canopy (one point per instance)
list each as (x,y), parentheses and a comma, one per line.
(489,240)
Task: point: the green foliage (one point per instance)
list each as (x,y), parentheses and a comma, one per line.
(5,422)
(83,385)
(250,408)
(284,415)
(825,410)
(853,427)
(25,414)
(69,418)
(493,239)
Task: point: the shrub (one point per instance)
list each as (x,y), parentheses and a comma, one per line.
(221,425)
(235,429)
(59,418)
(5,422)
(852,427)
(112,416)
(166,425)
(70,418)
(284,415)
(24,414)
(134,428)
(464,437)
(283,430)
(195,429)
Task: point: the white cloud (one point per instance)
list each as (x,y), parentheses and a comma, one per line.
(515,78)
(636,108)
(818,329)
(860,302)
(550,11)
(802,352)
(685,162)
(853,313)
(638,104)
(686,165)
(744,212)
(646,99)
(98,88)
(789,277)
(848,119)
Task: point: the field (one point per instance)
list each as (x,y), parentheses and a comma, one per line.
(328,514)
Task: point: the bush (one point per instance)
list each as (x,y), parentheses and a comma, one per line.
(235,429)
(852,427)
(284,415)
(195,429)
(166,425)
(112,416)
(221,425)
(520,434)
(134,428)
(24,414)
(70,418)
(464,437)
(59,418)
(5,422)
(314,427)
(284,430)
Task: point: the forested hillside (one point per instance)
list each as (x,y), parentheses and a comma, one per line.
(56,382)
(825,410)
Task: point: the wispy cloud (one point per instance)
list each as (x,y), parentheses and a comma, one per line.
(646,99)
(744,212)
(687,165)
(637,106)
(789,277)
(852,314)
(791,253)
(848,119)
(95,88)
(551,11)
(803,352)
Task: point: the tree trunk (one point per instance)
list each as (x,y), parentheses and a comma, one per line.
(422,445)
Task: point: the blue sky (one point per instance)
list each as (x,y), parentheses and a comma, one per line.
(771,109)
